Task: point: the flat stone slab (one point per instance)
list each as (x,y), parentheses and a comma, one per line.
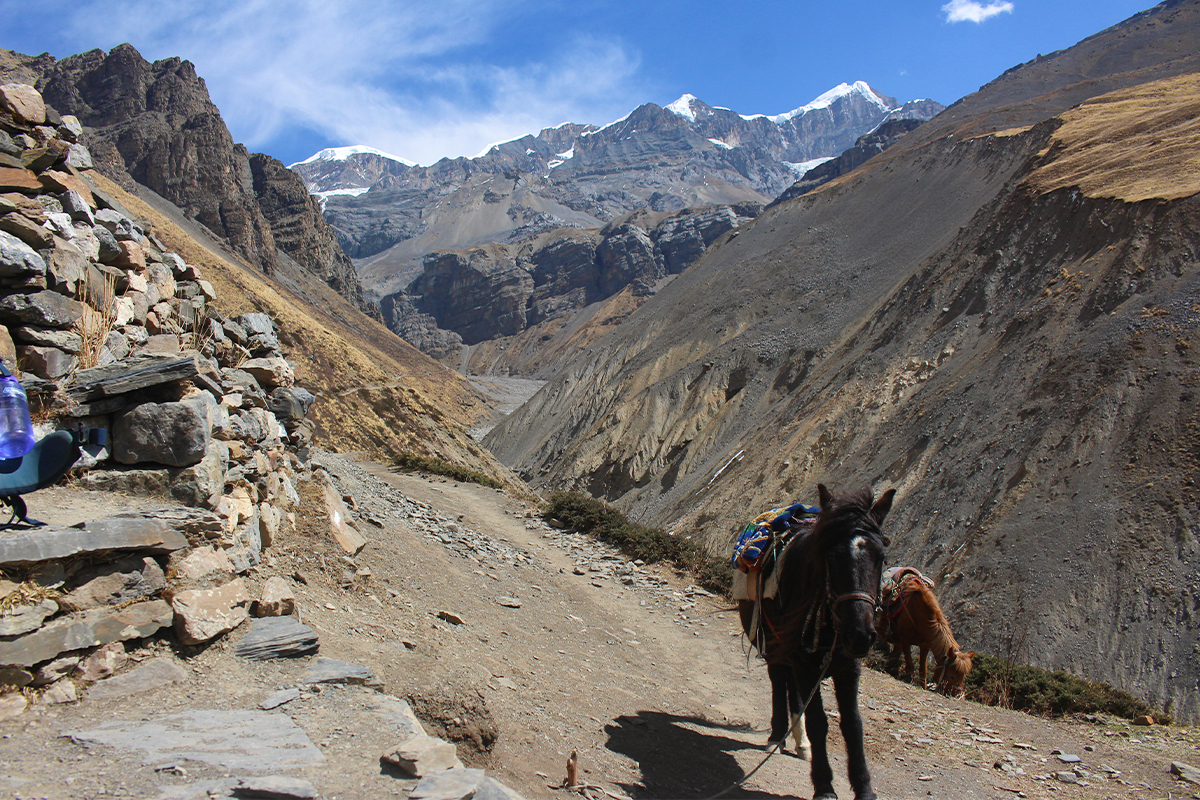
(276,699)
(448,784)
(97,536)
(277,637)
(153,674)
(269,786)
(236,740)
(397,712)
(330,670)
(88,629)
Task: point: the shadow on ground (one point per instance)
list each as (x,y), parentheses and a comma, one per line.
(679,761)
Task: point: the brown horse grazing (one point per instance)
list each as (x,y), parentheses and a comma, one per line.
(919,621)
(828,593)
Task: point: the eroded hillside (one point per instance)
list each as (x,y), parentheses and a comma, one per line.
(971,321)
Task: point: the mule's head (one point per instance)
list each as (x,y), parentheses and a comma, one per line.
(854,554)
(952,675)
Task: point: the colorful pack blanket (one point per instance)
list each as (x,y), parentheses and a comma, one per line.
(754,543)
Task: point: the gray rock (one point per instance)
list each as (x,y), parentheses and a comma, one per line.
(109,250)
(277,637)
(1185,772)
(276,699)
(175,434)
(396,712)
(260,333)
(46,362)
(67,341)
(23,619)
(330,670)
(88,629)
(449,784)
(15,676)
(492,789)
(92,537)
(234,740)
(45,309)
(421,755)
(79,157)
(73,203)
(274,787)
(150,675)
(117,583)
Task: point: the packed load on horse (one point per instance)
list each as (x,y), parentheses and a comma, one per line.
(755,556)
(911,616)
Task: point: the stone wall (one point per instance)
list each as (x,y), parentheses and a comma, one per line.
(110,332)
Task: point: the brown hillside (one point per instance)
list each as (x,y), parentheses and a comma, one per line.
(1015,355)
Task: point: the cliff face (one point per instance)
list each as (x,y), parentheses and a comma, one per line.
(490,293)
(155,125)
(300,230)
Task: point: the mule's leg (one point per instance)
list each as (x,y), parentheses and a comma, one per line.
(818,729)
(924,664)
(908,665)
(798,734)
(780,675)
(845,689)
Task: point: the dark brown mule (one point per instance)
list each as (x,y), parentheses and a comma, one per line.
(920,622)
(828,595)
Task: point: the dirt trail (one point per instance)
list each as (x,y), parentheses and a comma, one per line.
(562,645)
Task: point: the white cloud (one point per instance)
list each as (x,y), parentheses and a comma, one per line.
(403,76)
(972,11)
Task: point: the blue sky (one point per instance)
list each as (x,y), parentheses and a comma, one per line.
(423,79)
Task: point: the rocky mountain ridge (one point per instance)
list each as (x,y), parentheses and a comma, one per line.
(685,155)
(999,324)
(154,125)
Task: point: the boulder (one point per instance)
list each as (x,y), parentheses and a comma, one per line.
(421,755)
(152,674)
(277,598)
(46,309)
(340,529)
(116,583)
(277,637)
(203,614)
(46,362)
(201,564)
(24,102)
(271,371)
(12,705)
(175,434)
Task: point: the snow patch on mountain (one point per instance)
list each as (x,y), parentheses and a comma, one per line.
(343,153)
(804,166)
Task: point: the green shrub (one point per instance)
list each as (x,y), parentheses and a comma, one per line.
(998,682)
(411,462)
(600,520)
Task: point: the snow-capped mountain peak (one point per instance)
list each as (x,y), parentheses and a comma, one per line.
(683,107)
(343,153)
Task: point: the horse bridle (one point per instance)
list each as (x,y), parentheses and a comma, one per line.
(832,605)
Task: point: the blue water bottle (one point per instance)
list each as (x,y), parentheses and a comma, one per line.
(16,429)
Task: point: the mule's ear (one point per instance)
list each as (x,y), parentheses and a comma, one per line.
(969,654)
(882,506)
(824,497)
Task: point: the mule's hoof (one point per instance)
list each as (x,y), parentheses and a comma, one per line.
(776,743)
(803,753)
(825,796)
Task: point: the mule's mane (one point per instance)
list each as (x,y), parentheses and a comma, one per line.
(942,640)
